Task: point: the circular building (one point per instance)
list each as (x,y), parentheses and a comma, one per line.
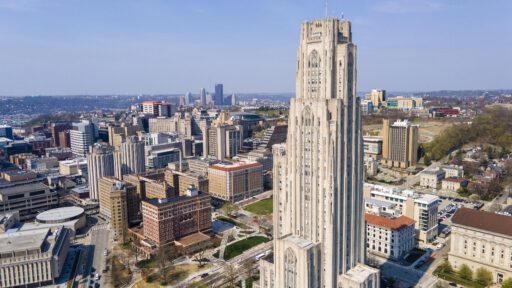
(71,217)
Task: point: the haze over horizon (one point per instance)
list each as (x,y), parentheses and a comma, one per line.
(159,47)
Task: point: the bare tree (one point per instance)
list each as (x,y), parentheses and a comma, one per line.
(230,275)
(229,208)
(199,256)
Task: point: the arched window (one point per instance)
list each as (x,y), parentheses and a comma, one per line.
(314,74)
(290,266)
(307,162)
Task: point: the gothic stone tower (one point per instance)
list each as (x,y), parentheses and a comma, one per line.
(318,198)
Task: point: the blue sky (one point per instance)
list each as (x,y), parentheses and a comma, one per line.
(174,46)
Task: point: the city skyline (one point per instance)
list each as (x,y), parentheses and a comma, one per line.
(64,48)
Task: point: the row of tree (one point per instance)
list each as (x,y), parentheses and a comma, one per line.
(482,276)
(493,126)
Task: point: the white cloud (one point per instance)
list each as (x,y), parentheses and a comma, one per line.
(407,6)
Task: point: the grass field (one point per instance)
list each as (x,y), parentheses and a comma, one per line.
(239,247)
(262,207)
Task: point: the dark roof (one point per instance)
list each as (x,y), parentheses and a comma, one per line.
(483,220)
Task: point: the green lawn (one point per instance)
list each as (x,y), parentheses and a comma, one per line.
(237,248)
(262,207)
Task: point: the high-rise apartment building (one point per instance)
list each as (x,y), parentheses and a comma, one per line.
(202,97)
(222,141)
(219,94)
(57,128)
(130,158)
(81,137)
(399,144)
(377,97)
(119,203)
(158,108)
(118,134)
(318,197)
(100,163)
(64,139)
(6,131)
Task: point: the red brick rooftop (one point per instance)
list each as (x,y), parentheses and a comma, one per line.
(390,223)
(235,166)
(483,220)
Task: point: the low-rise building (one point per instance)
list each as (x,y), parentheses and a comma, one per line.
(482,239)
(422,208)
(389,237)
(32,258)
(372,147)
(77,166)
(384,208)
(431,178)
(27,198)
(454,184)
(235,181)
(9,220)
(453,171)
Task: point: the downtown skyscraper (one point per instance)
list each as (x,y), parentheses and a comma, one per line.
(318,174)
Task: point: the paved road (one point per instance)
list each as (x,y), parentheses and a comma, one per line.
(215,272)
(99,241)
(407,276)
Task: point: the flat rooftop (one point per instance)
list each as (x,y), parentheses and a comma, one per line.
(60,214)
(23,188)
(21,241)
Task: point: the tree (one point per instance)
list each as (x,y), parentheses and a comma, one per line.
(426,160)
(483,276)
(507,283)
(247,268)
(463,191)
(465,272)
(229,208)
(199,257)
(446,267)
(230,275)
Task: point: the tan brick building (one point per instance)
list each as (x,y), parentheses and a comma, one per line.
(119,203)
(235,181)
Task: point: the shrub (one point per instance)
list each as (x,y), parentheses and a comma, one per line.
(465,272)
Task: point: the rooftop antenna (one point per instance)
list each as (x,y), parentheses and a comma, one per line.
(325,8)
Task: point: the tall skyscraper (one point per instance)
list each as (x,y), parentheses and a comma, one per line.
(81,137)
(130,158)
(202,97)
(189,99)
(318,185)
(100,163)
(219,94)
(399,144)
